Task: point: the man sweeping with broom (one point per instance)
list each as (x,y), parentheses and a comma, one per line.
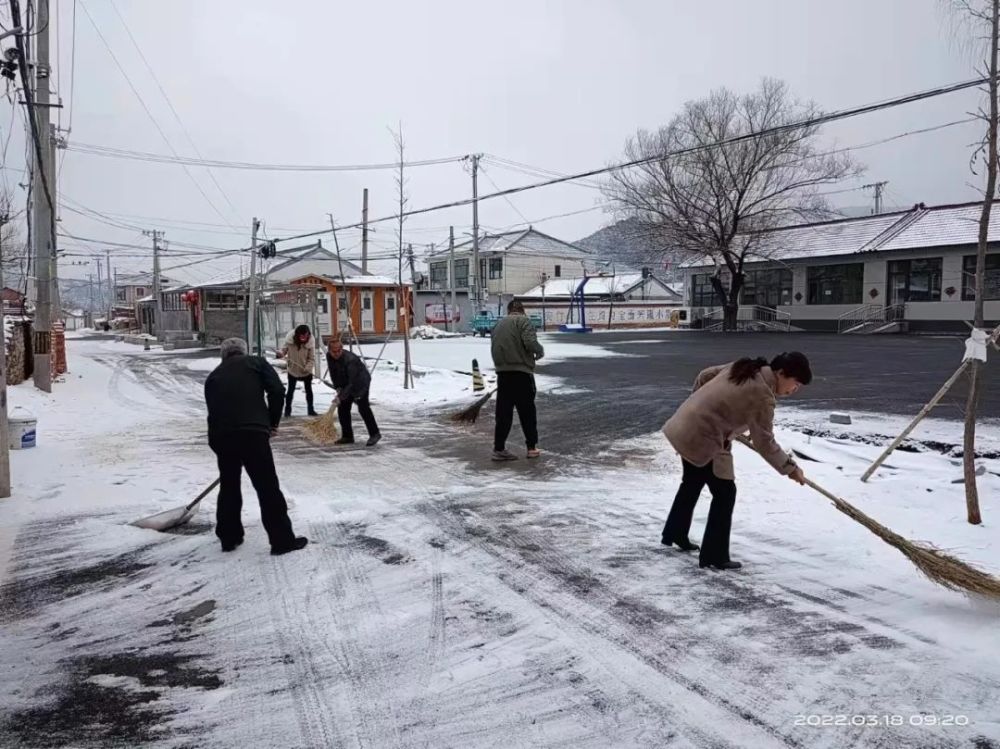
(352,379)
(515,349)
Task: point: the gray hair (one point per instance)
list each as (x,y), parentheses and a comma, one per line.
(233,347)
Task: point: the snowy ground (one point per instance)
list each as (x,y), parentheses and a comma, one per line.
(445,603)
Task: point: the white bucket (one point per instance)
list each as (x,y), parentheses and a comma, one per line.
(22,432)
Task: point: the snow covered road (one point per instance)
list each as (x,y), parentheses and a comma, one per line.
(447,602)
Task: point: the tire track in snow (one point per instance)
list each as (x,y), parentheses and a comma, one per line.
(359,653)
(549,580)
(308,683)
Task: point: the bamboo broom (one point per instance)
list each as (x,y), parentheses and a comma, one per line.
(324,428)
(939,567)
(470,414)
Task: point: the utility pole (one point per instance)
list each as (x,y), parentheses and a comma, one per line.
(157,286)
(4,427)
(100,286)
(451,274)
(252,299)
(409,258)
(111,288)
(364,232)
(44,218)
(879,188)
(475,275)
(57,310)
(90,293)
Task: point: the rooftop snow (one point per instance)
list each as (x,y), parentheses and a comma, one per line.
(939,227)
(595,285)
(914,229)
(526,241)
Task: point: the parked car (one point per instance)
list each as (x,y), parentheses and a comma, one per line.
(483,323)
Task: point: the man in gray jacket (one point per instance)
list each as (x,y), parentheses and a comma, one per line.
(515,350)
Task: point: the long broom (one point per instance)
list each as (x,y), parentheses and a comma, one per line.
(324,428)
(939,567)
(470,414)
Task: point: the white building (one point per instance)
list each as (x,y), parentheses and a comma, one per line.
(623,300)
(509,265)
(911,271)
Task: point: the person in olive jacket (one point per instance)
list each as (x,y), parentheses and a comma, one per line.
(240,426)
(515,349)
(351,378)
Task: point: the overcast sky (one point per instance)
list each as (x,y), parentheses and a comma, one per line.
(558,85)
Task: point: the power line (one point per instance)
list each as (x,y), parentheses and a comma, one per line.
(799,125)
(72,77)
(142,102)
(29,98)
(170,104)
(497,187)
(156,158)
(534,171)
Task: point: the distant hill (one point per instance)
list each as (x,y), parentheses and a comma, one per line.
(623,244)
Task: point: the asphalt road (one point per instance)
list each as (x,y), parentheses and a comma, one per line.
(633,390)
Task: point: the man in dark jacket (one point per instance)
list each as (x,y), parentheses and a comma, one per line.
(351,378)
(239,431)
(515,349)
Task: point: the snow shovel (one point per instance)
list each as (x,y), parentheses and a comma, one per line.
(164,521)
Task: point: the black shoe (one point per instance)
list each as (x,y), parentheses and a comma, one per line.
(373,440)
(312,412)
(684,545)
(231,545)
(298,543)
(730,565)
(344,441)
(288,412)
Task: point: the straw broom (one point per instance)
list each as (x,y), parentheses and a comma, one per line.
(470,414)
(939,567)
(324,428)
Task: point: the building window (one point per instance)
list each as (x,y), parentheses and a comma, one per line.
(557,273)
(323,304)
(991,283)
(462,274)
(439,275)
(140,292)
(342,302)
(496,268)
(225,299)
(702,293)
(390,301)
(915,280)
(172,302)
(366,302)
(835,284)
(767,288)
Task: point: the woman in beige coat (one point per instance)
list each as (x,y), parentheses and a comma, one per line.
(300,354)
(727,400)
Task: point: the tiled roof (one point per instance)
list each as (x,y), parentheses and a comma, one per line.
(920,227)
(823,240)
(523,242)
(949,225)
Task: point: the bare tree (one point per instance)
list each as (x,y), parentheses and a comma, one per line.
(14,251)
(713,180)
(397,137)
(983,19)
